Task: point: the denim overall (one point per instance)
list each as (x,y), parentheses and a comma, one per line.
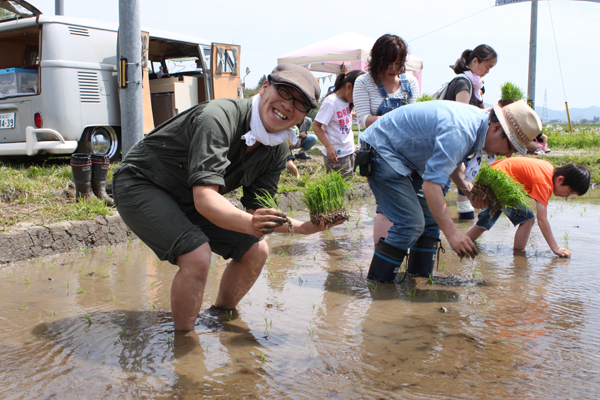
(388,104)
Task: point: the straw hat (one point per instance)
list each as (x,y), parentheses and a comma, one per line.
(520,123)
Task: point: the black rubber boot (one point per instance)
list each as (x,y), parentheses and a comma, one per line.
(99,174)
(81,165)
(422,256)
(386,262)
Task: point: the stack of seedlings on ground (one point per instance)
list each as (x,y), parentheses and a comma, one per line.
(326,198)
(266,200)
(500,190)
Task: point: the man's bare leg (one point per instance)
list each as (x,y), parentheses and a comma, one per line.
(188,287)
(381,227)
(240,276)
(522,235)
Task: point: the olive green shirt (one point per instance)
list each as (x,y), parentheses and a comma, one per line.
(203,146)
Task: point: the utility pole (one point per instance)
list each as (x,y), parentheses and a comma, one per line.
(545,109)
(532,54)
(130,74)
(59,7)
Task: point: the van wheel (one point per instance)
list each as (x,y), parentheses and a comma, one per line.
(103,140)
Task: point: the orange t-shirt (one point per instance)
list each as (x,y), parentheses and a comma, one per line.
(534,174)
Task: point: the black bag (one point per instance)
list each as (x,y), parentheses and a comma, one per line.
(363,161)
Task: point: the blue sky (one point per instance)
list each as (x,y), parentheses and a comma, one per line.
(268,29)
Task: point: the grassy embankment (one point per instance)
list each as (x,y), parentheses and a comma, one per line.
(41,192)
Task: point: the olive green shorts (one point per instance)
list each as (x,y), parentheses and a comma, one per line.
(167,227)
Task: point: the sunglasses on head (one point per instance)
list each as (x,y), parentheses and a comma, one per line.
(286,94)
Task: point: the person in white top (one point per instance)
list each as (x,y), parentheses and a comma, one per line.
(333,125)
(386,87)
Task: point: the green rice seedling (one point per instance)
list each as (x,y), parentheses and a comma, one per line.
(27,281)
(153,305)
(325,198)
(262,356)
(500,189)
(84,249)
(435,295)
(443,265)
(124,331)
(9,274)
(110,297)
(484,301)
(431,280)
(310,328)
(372,287)
(511,92)
(107,274)
(52,312)
(300,281)
(87,318)
(425,97)
(80,290)
(52,266)
(22,308)
(476,272)
(359,268)
(79,268)
(228,314)
(169,339)
(266,200)
(108,251)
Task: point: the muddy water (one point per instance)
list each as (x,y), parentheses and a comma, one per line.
(97,324)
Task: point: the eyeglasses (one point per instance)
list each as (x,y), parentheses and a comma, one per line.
(284,92)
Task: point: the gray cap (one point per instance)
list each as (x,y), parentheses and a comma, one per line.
(300,78)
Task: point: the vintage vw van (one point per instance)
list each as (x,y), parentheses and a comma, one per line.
(58,81)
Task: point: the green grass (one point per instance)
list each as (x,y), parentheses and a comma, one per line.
(40,192)
(584,136)
(326,194)
(592,161)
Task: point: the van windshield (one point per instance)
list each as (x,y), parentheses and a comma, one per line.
(13,9)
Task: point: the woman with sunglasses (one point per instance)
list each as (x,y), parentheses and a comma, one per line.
(169,188)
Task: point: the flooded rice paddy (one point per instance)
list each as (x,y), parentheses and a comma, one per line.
(509,325)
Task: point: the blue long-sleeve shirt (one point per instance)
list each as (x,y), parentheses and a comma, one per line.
(431,137)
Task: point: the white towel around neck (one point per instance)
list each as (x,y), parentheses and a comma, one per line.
(258,133)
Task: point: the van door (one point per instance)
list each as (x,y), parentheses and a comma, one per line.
(225,71)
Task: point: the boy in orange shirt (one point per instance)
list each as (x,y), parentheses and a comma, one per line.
(540,179)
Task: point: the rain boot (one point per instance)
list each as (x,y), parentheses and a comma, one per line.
(99,173)
(81,165)
(386,262)
(422,256)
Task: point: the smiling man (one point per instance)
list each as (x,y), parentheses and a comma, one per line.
(169,188)
(414,151)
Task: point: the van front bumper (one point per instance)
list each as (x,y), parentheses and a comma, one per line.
(31,146)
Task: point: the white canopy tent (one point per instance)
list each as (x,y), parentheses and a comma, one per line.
(348,50)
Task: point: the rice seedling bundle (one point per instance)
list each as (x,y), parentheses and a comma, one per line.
(326,198)
(500,189)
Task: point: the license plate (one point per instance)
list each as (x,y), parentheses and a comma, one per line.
(7,121)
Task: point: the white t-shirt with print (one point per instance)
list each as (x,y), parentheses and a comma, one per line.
(335,117)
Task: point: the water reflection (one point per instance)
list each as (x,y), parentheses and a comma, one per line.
(507,324)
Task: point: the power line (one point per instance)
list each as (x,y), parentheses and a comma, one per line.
(452,23)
